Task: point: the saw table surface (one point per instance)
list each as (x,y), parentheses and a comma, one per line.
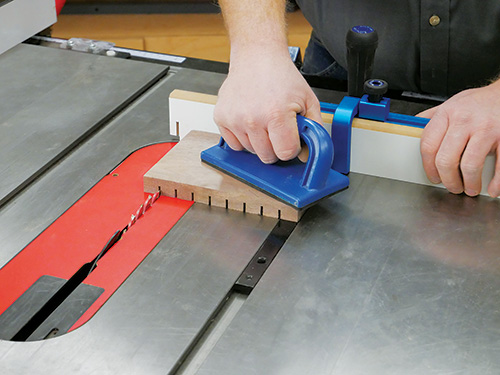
(386,277)
(41,122)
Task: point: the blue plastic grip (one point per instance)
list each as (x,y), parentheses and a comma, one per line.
(320,158)
(321,152)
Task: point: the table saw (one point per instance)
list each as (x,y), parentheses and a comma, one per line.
(386,277)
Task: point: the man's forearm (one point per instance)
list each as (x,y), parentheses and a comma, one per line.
(255,25)
(258,102)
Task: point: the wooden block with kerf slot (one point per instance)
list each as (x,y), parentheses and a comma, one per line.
(182,174)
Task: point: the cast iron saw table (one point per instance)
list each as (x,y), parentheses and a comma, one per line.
(386,277)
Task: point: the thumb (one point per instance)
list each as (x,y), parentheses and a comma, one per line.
(313,110)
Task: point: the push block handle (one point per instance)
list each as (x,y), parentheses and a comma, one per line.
(320,158)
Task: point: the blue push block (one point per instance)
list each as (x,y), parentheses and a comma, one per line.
(293,182)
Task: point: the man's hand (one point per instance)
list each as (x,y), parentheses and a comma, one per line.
(258,105)
(259,101)
(459,136)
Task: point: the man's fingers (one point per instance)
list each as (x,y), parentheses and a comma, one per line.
(431,140)
(238,142)
(231,139)
(284,136)
(494,186)
(262,145)
(449,156)
(472,163)
(313,110)
(432,137)
(457,139)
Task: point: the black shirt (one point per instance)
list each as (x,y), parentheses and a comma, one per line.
(432,46)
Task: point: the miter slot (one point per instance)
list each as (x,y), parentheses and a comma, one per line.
(264,256)
(210,334)
(223,316)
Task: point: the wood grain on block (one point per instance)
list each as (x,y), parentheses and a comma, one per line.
(181,173)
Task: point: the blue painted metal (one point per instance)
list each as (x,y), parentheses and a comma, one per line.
(341,133)
(393,118)
(344,113)
(328,107)
(396,118)
(293,182)
(372,110)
